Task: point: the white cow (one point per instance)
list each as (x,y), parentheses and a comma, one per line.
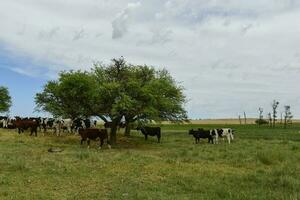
(222,133)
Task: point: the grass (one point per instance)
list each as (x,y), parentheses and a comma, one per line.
(261,163)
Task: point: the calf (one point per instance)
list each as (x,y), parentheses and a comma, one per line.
(152,131)
(222,133)
(201,133)
(92,134)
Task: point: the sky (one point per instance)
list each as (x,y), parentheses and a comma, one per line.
(230,56)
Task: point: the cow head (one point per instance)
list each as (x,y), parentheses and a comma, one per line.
(191,132)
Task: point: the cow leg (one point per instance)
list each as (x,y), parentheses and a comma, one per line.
(228,138)
(101,143)
(146,136)
(69,130)
(108,143)
(88,142)
(216,140)
(158,138)
(81,142)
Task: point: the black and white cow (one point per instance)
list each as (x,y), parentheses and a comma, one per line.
(47,123)
(61,125)
(81,123)
(222,133)
(3,122)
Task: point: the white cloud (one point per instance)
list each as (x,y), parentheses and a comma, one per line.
(230,55)
(120,24)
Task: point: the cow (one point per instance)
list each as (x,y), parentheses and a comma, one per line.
(47,123)
(92,134)
(4,122)
(81,123)
(201,133)
(222,133)
(24,124)
(62,124)
(152,131)
(77,124)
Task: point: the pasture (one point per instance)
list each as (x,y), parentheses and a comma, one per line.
(261,163)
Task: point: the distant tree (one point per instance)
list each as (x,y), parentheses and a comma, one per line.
(5,99)
(245,118)
(270,118)
(260,120)
(274,109)
(287,115)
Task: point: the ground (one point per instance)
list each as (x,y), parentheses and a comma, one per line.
(261,163)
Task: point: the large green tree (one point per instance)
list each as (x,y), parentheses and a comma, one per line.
(115,91)
(70,96)
(5,99)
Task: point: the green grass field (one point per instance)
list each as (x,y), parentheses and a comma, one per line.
(261,163)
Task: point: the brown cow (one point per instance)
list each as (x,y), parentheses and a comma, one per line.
(24,124)
(92,134)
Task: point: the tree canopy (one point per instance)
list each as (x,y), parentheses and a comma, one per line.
(114,91)
(5,99)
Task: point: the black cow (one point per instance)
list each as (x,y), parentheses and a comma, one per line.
(92,134)
(152,131)
(201,133)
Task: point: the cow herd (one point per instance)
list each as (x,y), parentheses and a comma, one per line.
(86,128)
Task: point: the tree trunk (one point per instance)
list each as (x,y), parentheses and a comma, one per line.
(113,130)
(113,134)
(127,129)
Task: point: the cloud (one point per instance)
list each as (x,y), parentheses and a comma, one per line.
(121,23)
(79,34)
(230,55)
(49,34)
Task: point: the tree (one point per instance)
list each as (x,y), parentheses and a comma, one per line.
(274,109)
(139,93)
(5,99)
(115,91)
(70,96)
(260,120)
(287,115)
(270,118)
